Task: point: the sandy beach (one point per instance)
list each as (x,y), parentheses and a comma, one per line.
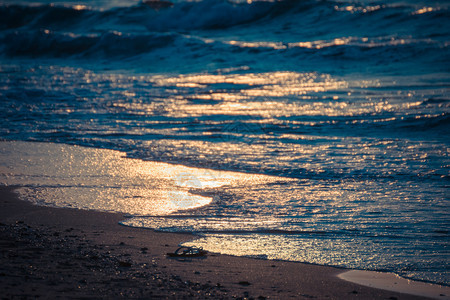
(70,253)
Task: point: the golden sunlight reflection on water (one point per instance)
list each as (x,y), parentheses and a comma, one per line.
(88,178)
(269,95)
(274,84)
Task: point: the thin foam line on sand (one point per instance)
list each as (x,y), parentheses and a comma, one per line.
(393,282)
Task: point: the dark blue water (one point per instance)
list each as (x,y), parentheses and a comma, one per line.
(350,99)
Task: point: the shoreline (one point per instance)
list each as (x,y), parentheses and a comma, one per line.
(60,252)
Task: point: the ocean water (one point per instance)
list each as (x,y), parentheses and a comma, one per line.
(345,103)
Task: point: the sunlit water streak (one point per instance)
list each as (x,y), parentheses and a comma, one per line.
(342,107)
(89,178)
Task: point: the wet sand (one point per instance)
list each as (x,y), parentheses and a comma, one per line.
(70,253)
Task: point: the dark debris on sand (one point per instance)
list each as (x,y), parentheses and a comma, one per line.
(39,263)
